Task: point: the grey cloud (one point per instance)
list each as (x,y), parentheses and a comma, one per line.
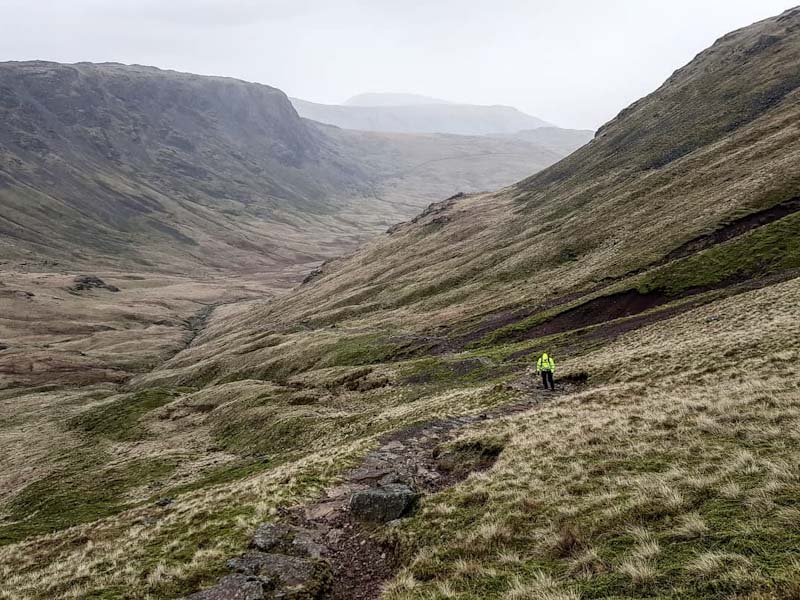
(199,13)
(575,63)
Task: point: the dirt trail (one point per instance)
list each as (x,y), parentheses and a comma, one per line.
(337,546)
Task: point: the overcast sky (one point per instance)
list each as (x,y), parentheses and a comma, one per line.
(575,63)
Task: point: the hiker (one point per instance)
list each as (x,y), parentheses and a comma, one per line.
(547,367)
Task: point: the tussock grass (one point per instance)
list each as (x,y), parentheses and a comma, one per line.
(68,537)
(153,552)
(668,480)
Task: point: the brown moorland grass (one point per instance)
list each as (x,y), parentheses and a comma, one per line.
(677,477)
(122,544)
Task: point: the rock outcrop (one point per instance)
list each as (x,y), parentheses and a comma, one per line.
(91,282)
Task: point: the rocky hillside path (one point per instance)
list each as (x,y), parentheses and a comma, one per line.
(328,549)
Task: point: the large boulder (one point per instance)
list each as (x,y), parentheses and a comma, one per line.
(91,282)
(383,504)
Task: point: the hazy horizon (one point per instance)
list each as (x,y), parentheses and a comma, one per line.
(575,65)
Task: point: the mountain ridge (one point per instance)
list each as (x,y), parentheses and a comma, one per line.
(463,119)
(392,99)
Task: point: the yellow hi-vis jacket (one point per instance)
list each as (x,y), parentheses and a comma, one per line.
(546,363)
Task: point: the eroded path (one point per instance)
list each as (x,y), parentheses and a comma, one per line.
(329,549)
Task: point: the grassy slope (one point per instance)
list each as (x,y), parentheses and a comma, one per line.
(676,476)
(651,482)
(228,455)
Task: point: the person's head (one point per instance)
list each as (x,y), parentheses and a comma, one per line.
(545,356)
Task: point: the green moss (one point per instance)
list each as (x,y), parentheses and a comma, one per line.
(82,491)
(437,372)
(371,349)
(766,250)
(282,432)
(119,420)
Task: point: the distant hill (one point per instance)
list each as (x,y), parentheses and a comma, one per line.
(372,99)
(415,117)
(108,164)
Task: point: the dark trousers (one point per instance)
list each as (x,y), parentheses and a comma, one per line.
(547,377)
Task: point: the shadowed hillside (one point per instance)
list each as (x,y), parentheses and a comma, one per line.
(112,164)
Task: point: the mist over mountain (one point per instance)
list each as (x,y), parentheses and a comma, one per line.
(386,99)
(557,139)
(418,117)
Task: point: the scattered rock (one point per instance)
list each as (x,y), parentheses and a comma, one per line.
(368,472)
(502,387)
(427,476)
(283,571)
(396,227)
(393,445)
(340,491)
(306,542)
(233,587)
(272,535)
(312,275)
(165,501)
(323,512)
(90,282)
(383,504)
(437,207)
(21,294)
(333,536)
(393,477)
